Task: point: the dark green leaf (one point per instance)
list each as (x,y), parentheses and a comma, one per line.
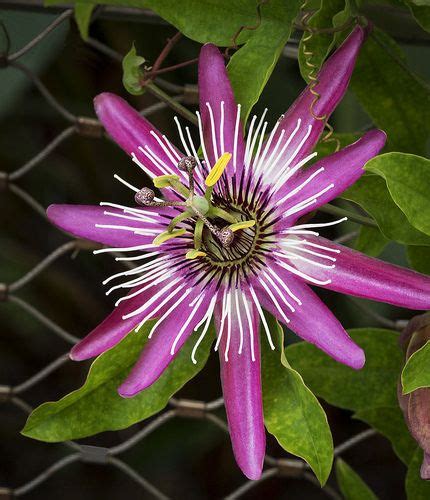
(371,193)
(350,483)
(97,407)
(395,98)
(372,386)
(390,423)
(251,66)
(132,72)
(416,488)
(408,181)
(419,258)
(416,373)
(421,12)
(371,241)
(292,413)
(83,13)
(319,44)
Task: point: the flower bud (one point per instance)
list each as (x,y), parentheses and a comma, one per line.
(415,406)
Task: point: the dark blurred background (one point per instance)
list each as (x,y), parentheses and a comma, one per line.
(184,458)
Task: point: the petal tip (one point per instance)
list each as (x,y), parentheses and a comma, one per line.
(357,360)
(128,391)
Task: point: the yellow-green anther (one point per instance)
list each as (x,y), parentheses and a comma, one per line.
(198,234)
(194,254)
(242,225)
(172,181)
(165,236)
(218,169)
(222,214)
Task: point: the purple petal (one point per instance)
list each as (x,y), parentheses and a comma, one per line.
(83,220)
(333,82)
(215,89)
(132,131)
(157,353)
(341,170)
(113,328)
(362,276)
(241,385)
(312,320)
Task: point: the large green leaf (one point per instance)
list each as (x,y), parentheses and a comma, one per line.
(416,488)
(419,258)
(218,22)
(408,181)
(421,12)
(97,407)
(319,44)
(370,392)
(251,66)
(371,241)
(371,193)
(372,386)
(292,413)
(416,373)
(83,13)
(350,483)
(396,99)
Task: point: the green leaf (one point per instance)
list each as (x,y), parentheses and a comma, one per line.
(218,22)
(416,373)
(421,12)
(419,258)
(292,413)
(251,66)
(370,392)
(319,44)
(372,386)
(132,72)
(389,421)
(350,483)
(408,181)
(416,488)
(371,193)
(97,407)
(396,99)
(371,241)
(83,13)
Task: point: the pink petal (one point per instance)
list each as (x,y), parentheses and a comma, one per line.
(114,328)
(241,385)
(82,222)
(312,320)
(362,276)
(333,81)
(132,131)
(156,355)
(341,170)
(215,88)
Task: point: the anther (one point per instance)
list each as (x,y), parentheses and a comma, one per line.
(225,236)
(144,197)
(187,164)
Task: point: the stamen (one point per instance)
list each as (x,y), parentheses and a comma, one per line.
(194,254)
(165,149)
(127,184)
(284,286)
(302,275)
(168,312)
(275,302)
(301,186)
(166,236)
(223,315)
(142,166)
(236,298)
(241,225)
(227,344)
(218,169)
(221,127)
(284,147)
(320,224)
(202,138)
(279,292)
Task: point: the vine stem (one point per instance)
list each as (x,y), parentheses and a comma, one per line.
(172,103)
(352,216)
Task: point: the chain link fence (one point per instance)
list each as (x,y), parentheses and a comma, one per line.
(284,469)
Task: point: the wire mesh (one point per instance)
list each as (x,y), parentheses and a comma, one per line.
(82,126)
